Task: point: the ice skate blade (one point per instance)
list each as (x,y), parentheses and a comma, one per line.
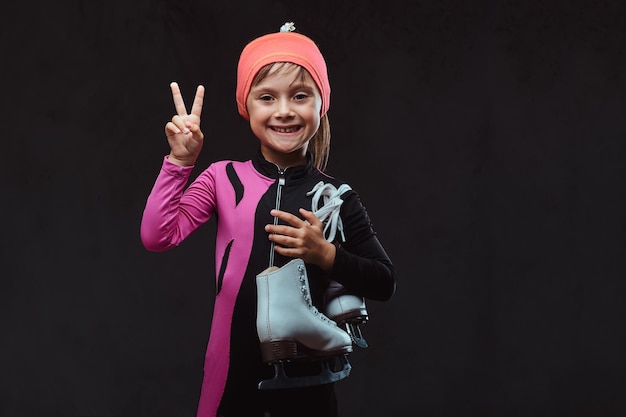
(355,334)
(282,381)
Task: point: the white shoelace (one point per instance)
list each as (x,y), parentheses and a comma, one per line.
(329,212)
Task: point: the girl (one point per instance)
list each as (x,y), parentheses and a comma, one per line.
(265,209)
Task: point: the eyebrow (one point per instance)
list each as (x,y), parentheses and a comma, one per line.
(296,86)
(301,85)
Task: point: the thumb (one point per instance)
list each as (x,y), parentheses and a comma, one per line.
(310,217)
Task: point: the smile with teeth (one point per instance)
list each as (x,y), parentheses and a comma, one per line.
(289,129)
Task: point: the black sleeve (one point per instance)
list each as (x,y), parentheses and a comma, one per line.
(361,263)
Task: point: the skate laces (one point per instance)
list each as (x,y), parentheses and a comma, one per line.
(304,287)
(328,213)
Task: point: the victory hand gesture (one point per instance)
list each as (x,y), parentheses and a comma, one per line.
(183,132)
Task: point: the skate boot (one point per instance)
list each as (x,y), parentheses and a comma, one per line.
(347,310)
(290,328)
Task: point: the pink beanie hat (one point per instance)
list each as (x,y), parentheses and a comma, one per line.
(283,46)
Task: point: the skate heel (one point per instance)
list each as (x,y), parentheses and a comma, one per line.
(279,350)
(290,350)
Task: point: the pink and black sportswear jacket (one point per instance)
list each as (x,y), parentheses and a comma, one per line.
(240,195)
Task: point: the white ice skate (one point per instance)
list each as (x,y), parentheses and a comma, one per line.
(290,328)
(347,310)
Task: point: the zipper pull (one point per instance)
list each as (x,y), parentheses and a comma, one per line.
(279,190)
(281,177)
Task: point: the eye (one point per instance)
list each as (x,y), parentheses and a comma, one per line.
(301,96)
(266,97)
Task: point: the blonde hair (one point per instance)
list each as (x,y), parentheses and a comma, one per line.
(319,145)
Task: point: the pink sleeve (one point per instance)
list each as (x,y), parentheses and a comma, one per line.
(173,213)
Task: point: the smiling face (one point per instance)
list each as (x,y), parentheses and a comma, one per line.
(284,108)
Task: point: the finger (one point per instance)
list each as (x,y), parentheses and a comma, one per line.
(196,108)
(282,240)
(286,245)
(289,252)
(171,129)
(311,218)
(179,103)
(195,129)
(281,230)
(181,123)
(287,217)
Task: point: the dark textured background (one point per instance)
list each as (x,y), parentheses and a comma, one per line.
(486,138)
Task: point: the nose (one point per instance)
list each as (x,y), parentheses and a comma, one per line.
(283,108)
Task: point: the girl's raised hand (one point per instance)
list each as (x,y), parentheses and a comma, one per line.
(183,132)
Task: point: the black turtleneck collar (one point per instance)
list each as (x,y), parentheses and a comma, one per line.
(270,169)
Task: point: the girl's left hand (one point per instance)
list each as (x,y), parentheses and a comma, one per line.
(302,238)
